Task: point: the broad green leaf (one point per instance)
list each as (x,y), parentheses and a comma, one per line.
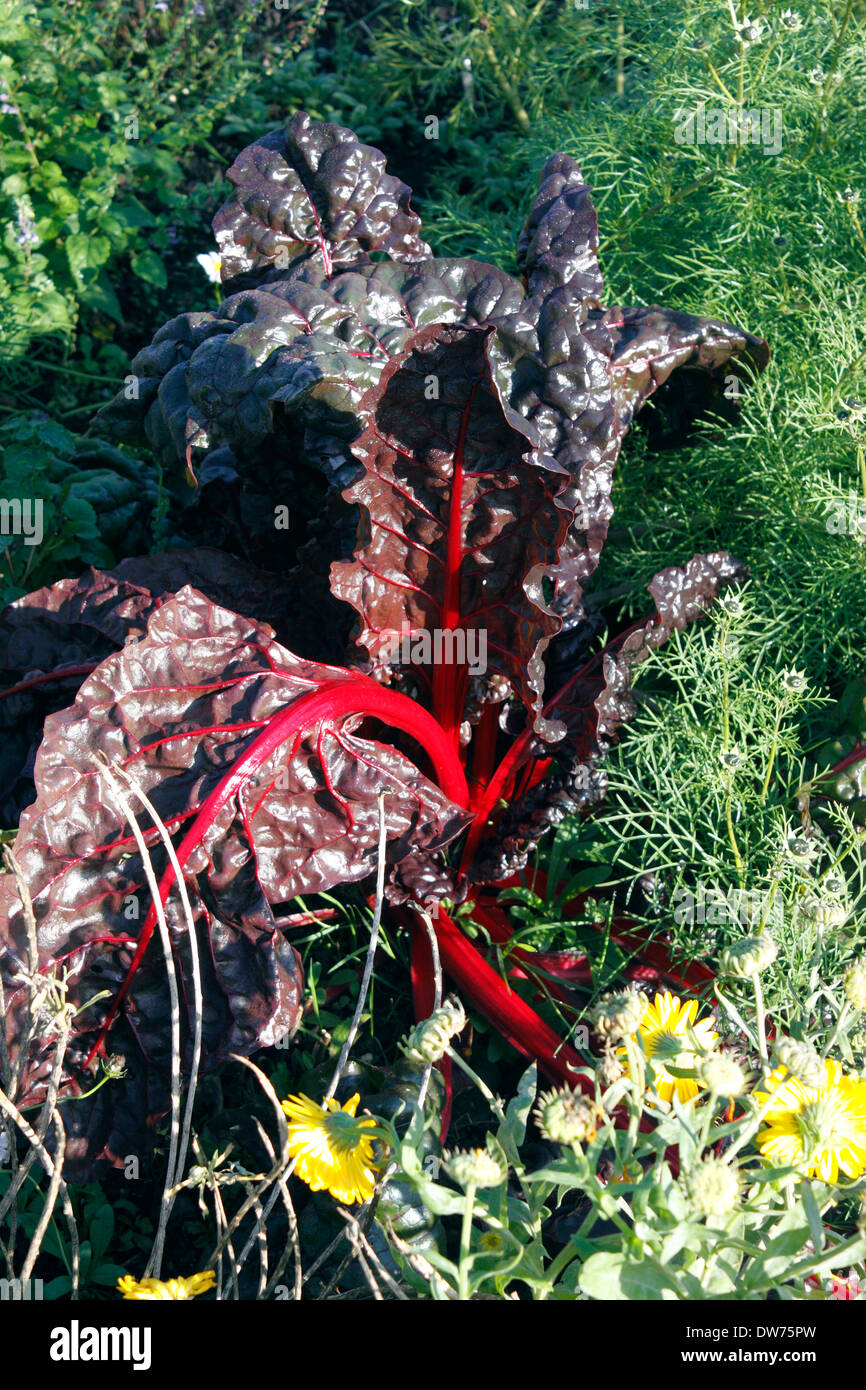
(615,1276)
(148,266)
(512,1131)
(85,253)
(101,296)
(787,1241)
(133,213)
(101,1231)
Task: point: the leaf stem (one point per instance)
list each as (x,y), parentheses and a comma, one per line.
(465,1237)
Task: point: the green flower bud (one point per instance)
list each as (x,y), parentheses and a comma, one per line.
(567,1117)
(476,1168)
(855,985)
(714,1188)
(793,681)
(748,957)
(620,1015)
(802,1061)
(824,912)
(800,848)
(722,1075)
(609,1070)
(429,1039)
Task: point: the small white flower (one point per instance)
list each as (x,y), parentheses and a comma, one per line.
(793,681)
(799,848)
(850,195)
(751,31)
(792,20)
(733,606)
(211,264)
(817,76)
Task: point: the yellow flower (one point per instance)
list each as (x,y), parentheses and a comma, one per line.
(664,1033)
(492,1242)
(334,1152)
(189,1287)
(822,1128)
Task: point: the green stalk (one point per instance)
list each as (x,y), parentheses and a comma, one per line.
(752,1128)
(741,87)
(620,56)
(493,1101)
(465,1236)
(759,1006)
(726,743)
(846,1009)
(637,1072)
(834,63)
(774,746)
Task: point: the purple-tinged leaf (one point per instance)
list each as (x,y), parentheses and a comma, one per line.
(461,522)
(51,639)
(186,709)
(313,191)
(558,247)
(650,344)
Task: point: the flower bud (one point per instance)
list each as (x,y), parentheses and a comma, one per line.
(476,1168)
(855,985)
(722,1075)
(801,1060)
(620,1015)
(824,911)
(748,957)
(567,1117)
(609,1070)
(429,1039)
(793,681)
(713,1188)
(800,848)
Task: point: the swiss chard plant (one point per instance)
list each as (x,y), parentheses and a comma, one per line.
(472,423)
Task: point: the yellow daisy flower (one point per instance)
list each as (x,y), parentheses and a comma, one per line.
(334,1152)
(190,1287)
(822,1128)
(664,1034)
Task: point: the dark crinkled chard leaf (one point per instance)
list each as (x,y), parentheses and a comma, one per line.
(252,756)
(313,191)
(461,521)
(51,639)
(278,374)
(593,706)
(558,247)
(651,344)
(283,366)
